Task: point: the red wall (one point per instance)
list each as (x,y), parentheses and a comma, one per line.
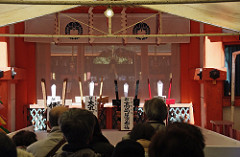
(4,30)
(213,93)
(190,60)
(4,98)
(4,84)
(190,89)
(25,58)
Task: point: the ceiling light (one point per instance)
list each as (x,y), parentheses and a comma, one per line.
(109,12)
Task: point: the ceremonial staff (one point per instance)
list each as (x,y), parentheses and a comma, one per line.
(149,89)
(81,92)
(44,93)
(116,89)
(64,91)
(169,94)
(170,87)
(100,94)
(116,102)
(136,100)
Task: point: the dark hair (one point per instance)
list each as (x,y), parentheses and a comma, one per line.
(128,148)
(193,130)
(55,113)
(24,138)
(77,125)
(142,131)
(175,142)
(7,147)
(97,133)
(99,142)
(155,109)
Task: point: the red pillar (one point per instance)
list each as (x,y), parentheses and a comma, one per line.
(4,84)
(213,94)
(25,58)
(190,59)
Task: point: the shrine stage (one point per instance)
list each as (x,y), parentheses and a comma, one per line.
(217,145)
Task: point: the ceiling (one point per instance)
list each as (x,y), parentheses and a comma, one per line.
(221,14)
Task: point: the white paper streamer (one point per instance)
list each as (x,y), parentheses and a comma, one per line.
(160,88)
(91,88)
(126,87)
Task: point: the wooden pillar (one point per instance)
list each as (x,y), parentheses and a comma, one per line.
(4,95)
(12,86)
(144,71)
(80,61)
(5,109)
(175,69)
(213,94)
(25,59)
(213,91)
(202,54)
(190,89)
(136,73)
(43,67)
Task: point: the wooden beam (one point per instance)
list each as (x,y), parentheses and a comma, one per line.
(92,3)
(118,36)
(20,74)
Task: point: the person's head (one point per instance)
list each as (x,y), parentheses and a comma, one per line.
(24,138)
(97,133)
(142,131)
(193,130)
(155,109)
(77,125)
(54,115)
(97,129)
(99,143)
(128,148)
(175,142)
(7,147)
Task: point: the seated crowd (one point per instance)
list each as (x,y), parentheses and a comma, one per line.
(76,133)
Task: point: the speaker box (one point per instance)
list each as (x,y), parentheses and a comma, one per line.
(1,74)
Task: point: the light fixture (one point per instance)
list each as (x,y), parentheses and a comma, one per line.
(13,73)
(109,12)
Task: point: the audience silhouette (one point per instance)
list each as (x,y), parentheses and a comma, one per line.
(42,147)
(177,140)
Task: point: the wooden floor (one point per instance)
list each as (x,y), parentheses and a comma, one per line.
(217,145)
(114,136)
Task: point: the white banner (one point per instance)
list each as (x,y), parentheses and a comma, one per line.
(91,104)
(126,113)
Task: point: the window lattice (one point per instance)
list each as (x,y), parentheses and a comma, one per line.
(38,120)
(177,114)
